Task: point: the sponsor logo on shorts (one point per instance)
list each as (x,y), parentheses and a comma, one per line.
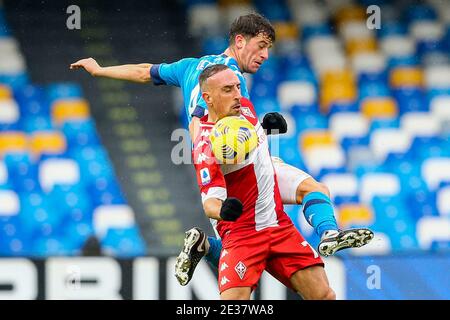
(224,281)
(223,266)
(224,253)
(240,269)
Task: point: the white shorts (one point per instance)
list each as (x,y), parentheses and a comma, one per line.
(289,178)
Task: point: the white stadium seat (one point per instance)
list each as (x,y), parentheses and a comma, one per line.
(321,157)
(355,30)
(341,184)
(320,44)
(380,245)
(368,62)
(3,173)
(296,92)
(58,171)
(426,30)
(434,171)
(112,216)
(233,11)
(378,184)
(12,64)
(420,124)
(431,229)
(348,124)
(9,112)
(204,19)
(384,141)
(9,203)
(440,107)
(443,201)
(308,13)
(437,76)
(398,46)
(9,46)
(328,61)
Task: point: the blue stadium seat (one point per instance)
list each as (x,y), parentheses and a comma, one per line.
(391,28)
(419,12)
(273,10)
(214,45)
(15,81)
(123,243)
(63,91)
(310,31)
(410,100)
(80,133)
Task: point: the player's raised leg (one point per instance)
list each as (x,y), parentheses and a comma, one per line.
(298,187)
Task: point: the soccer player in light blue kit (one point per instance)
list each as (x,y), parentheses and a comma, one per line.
(251,37)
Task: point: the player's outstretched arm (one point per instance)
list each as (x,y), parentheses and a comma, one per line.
(131,72)
(228,210)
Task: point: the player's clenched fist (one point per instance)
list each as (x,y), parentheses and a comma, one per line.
(89,64)
(231,209)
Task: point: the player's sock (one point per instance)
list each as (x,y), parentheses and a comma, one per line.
(319,212)
(213,255)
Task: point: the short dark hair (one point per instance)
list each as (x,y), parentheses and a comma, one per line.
(209,72)
(250,25)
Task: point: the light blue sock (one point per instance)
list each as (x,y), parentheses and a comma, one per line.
(319,212)
(213,255)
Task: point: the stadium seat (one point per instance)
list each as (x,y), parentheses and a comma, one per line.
(434,171)
(58,91)
(406,77)
(231,11)
(345,184)
(9,203)
(69,110)
(382,107)
(439,107)
(378,184)
(355,215)
(114,216)
(286,31)
(3,174)
(9,112)
(431,229)
(353,30)
(58,171)
(292,93)
(424,30)
(323,157)
(307,13)
(80,134)
(48,142)
(123,242)
(384,141)
(13,142)
(5,92)
(443,201)
(420,124)
(437,77)
(348,124)
(368,63)
(398,46)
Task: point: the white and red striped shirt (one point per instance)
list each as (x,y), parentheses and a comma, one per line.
(253,182)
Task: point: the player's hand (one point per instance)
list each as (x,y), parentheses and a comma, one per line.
(231,209)
(89,64)
(273,121)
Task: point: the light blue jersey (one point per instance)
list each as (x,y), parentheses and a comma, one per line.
(185,73)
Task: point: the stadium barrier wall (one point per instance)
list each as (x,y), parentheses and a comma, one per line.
(423,276)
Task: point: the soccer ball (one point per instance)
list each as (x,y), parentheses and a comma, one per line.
(232,140)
